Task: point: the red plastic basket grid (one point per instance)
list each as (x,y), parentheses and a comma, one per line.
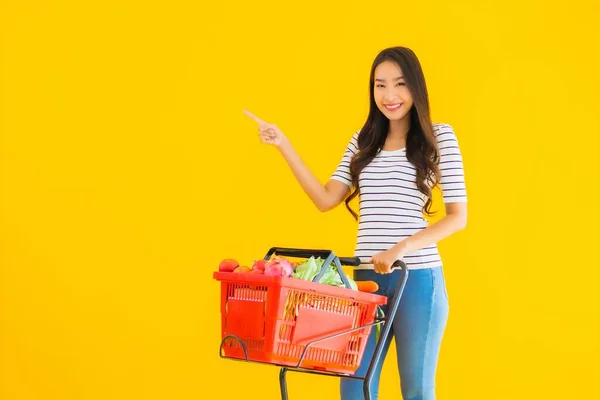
(277,317)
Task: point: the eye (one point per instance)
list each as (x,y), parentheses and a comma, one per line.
(379,85)
(401,83)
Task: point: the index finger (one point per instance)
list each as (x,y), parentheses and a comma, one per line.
(254,117)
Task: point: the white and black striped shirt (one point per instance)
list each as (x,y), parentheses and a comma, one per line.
(390,205)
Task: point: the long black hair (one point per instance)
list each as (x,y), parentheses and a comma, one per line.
(421,145)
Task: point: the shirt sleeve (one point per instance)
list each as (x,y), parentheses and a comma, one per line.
(342,172)
(452,180)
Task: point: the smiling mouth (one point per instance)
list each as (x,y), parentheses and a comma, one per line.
(393,107)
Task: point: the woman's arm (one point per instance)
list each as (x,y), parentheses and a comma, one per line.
(454,221)
(325,197)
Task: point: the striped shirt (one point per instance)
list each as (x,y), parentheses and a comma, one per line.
(390,204)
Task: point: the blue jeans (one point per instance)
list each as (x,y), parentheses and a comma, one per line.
(417,328)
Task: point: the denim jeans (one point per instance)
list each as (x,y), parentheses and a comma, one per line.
(417,329)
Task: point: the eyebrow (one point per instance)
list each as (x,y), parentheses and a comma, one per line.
(395,79)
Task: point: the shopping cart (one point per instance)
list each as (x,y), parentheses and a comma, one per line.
(301,326)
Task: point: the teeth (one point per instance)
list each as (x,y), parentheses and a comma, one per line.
(393,107)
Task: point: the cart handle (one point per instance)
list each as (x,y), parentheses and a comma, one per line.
(354,261)
(329,257)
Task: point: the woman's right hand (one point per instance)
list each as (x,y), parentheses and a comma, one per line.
(324,197)
(268,133)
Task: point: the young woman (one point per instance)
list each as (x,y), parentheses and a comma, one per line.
(392,164)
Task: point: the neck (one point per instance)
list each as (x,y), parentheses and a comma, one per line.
(399,128)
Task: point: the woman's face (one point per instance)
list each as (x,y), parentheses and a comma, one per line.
(391,93)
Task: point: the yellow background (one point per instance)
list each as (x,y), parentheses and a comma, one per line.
(128,171)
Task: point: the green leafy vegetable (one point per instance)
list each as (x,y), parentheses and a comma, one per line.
(309,269)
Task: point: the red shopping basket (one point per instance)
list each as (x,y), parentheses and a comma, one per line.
(275,318)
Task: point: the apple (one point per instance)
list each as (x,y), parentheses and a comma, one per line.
(260,265)
(242,269)
(228,265)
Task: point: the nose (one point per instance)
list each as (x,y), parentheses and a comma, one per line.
(390,96)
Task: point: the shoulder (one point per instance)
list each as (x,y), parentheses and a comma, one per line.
(354,140)
(440,128)
(443,132)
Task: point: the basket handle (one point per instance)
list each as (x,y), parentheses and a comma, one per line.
(328,255)
(308,253)
(300,253)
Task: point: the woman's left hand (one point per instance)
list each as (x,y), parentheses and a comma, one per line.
(382,262)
